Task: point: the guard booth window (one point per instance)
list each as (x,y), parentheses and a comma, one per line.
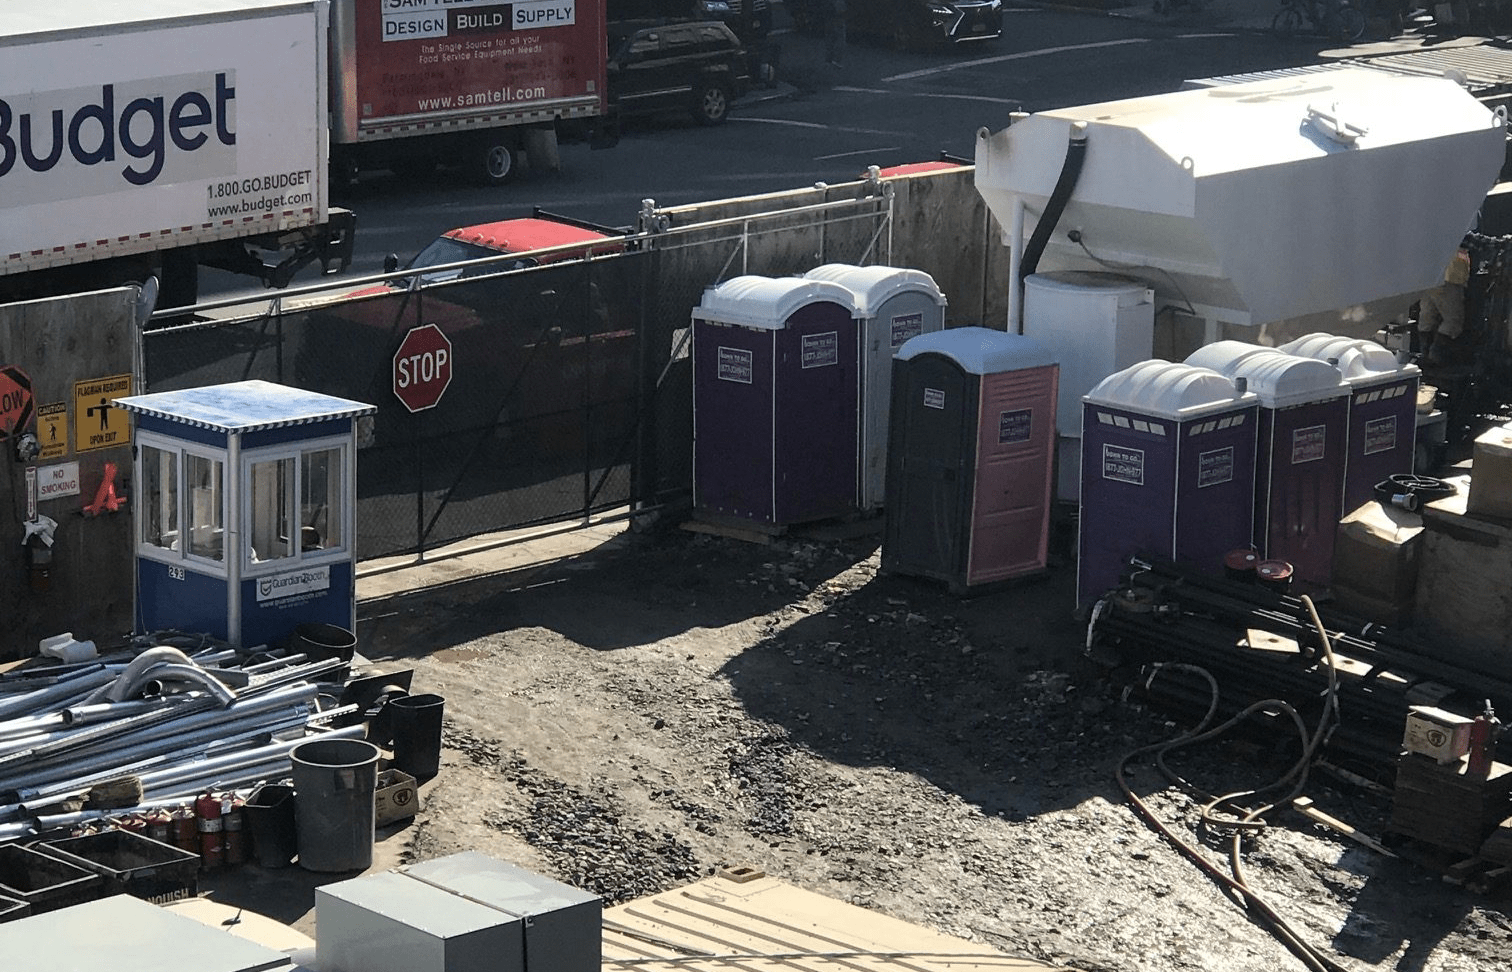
(296,504)
(160,522)
(203,479)
(206,481)
(320,500)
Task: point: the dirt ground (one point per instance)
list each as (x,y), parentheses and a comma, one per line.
(632,718)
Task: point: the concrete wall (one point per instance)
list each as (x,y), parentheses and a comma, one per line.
(940,225)
(64,346)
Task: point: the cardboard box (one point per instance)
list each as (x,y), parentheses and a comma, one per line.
(1463,610)
(1437,733)
(397,797)
(1491,475)
(1377,551)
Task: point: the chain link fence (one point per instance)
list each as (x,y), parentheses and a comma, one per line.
(571,383)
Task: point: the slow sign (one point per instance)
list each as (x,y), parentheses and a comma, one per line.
(422,367)
(16,405)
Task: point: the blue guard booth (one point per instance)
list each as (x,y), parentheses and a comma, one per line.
(776,380)
(244,512)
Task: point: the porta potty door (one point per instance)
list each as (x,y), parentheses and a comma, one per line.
(815,405)
(1382,438)
(932,443)
(1015,449)
(1128,488)
(1299,486)
(733,395)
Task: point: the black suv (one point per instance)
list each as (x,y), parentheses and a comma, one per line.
(659,67)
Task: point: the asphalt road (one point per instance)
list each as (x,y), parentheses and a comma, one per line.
(823,123)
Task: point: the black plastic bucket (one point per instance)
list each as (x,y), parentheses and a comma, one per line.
(335,780)
(319,641)
(415,722)
(270,820)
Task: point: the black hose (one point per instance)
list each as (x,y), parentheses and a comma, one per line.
(1076,154)
(1252,819)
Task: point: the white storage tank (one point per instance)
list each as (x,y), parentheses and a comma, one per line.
(1260,202)
(1094,324)
(893,305)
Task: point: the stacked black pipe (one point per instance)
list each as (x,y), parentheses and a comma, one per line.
(1165,612)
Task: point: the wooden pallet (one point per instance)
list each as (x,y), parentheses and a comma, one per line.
(1472,872)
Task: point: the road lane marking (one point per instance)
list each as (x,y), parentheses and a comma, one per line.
(842,155)
(959,65)
(793,123)
(1016,102)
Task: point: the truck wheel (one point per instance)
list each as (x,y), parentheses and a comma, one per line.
(712,104)
(498,162)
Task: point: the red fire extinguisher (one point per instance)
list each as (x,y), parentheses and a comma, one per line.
(207,809)
(233,818)
(185,830)
(1482,743)
(160,826)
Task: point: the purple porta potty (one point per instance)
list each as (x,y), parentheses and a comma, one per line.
(1299,460)
(1168,469)
(893,305)
(776,384)
(1382,439)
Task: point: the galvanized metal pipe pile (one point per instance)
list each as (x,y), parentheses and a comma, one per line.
(1165,612)
(176,722)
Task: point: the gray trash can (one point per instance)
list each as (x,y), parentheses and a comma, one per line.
(334,780)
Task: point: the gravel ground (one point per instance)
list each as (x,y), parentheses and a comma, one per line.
(630,720)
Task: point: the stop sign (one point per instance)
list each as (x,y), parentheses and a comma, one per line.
(422,367)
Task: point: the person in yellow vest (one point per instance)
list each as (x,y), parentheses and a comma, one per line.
(1441,314)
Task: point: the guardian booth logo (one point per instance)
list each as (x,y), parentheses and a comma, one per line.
(89,141)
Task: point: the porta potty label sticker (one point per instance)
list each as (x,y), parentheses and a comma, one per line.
(1123,464)
(1308,444)
(734,364)
(1380,435)
(905,326)
(1215,466)
(309,580)
(1015,426)
(97,423)
(820,350)
(934,398)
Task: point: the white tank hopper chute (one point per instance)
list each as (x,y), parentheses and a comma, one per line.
(1259,202)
